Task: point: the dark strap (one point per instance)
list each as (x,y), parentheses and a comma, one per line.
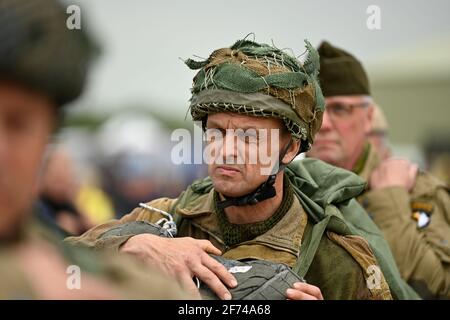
(265,191)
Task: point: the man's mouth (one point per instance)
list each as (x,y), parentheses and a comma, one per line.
(227,170)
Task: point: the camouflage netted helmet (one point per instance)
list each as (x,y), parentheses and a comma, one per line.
(260,80)
(38,50)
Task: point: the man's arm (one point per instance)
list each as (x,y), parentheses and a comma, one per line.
(93,238)
(421,254)
(416,258)
(180,258)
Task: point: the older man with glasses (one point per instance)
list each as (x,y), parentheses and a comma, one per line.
(411,207)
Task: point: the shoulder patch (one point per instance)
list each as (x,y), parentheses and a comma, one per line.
(422,206)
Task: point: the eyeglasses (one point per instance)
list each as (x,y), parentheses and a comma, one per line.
(340,111)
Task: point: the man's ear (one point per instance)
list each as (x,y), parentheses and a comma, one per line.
(368,119)
(292,151)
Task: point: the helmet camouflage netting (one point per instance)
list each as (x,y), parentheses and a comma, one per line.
(260,80)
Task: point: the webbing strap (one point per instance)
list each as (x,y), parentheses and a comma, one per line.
(309,246)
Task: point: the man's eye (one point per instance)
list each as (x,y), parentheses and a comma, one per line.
(340,109)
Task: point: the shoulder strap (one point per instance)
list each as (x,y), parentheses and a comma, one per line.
(309,246)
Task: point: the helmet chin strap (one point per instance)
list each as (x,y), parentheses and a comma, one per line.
(265,191)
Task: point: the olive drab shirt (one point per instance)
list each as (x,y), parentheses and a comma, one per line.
(40,266)
(339,267)
(417,227)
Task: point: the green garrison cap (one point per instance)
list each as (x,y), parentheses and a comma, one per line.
(260,80)
(341,73)
(38,50)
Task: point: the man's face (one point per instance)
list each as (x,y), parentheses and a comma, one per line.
(243,161)
(341,138)
(26,121)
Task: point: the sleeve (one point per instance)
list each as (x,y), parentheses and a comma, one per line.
(417,258)
(95,239)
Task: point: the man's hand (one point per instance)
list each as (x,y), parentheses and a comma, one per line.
(304,291)
(183,258)
(394,173)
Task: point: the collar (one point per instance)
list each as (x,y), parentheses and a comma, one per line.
(280,244)
(367,162)
(233,234)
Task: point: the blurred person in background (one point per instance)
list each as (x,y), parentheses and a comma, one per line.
(136,165)
(93,201)
(43,66)
(437,150)
(410,206)
(132,178)
(58,193)
(82,153)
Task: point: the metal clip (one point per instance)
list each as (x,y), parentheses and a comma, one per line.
(166,223)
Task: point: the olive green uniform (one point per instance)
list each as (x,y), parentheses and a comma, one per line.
(422,252)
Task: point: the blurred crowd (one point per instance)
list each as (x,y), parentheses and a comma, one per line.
(92,177)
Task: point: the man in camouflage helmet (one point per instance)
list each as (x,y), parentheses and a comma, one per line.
(291,215)
(411,207)
(43,66)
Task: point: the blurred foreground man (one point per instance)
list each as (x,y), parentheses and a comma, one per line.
(254,100)
(42,67)
(411,207)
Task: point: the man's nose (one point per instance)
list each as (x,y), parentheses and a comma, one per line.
(229,147)
(327,123)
